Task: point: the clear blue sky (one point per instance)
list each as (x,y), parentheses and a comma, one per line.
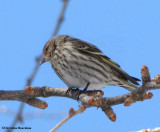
(126,31)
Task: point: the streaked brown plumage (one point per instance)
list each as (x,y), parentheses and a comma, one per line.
(80,64)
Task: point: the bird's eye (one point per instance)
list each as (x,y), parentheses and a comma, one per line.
(47,49)
(55,46)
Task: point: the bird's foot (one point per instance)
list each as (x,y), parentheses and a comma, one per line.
(70,89)
(82,91)
(79,93)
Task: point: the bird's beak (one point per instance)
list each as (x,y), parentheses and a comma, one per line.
(43,60)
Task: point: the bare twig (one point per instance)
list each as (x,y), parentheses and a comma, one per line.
(85,98)
(31,78)
(145,75)
(71,114)
(88,98)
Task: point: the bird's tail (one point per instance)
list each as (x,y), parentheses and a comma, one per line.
(133,88)
(129,86)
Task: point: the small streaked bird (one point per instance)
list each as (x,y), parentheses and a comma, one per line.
(80,64)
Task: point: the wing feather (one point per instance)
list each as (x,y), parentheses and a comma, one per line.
(93,50)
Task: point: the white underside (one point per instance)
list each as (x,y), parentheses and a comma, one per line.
(78,78)
(80,83)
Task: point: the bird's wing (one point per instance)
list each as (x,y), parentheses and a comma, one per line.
(120,71)
(93,50)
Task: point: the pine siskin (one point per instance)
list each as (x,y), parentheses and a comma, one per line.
(82,65)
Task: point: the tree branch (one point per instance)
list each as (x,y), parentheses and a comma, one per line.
(21,95)
(71,114)
(88,98)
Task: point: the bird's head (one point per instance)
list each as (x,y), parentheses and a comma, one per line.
(48,50)
(50,47)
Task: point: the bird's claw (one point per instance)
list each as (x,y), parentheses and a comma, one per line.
(68,90)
